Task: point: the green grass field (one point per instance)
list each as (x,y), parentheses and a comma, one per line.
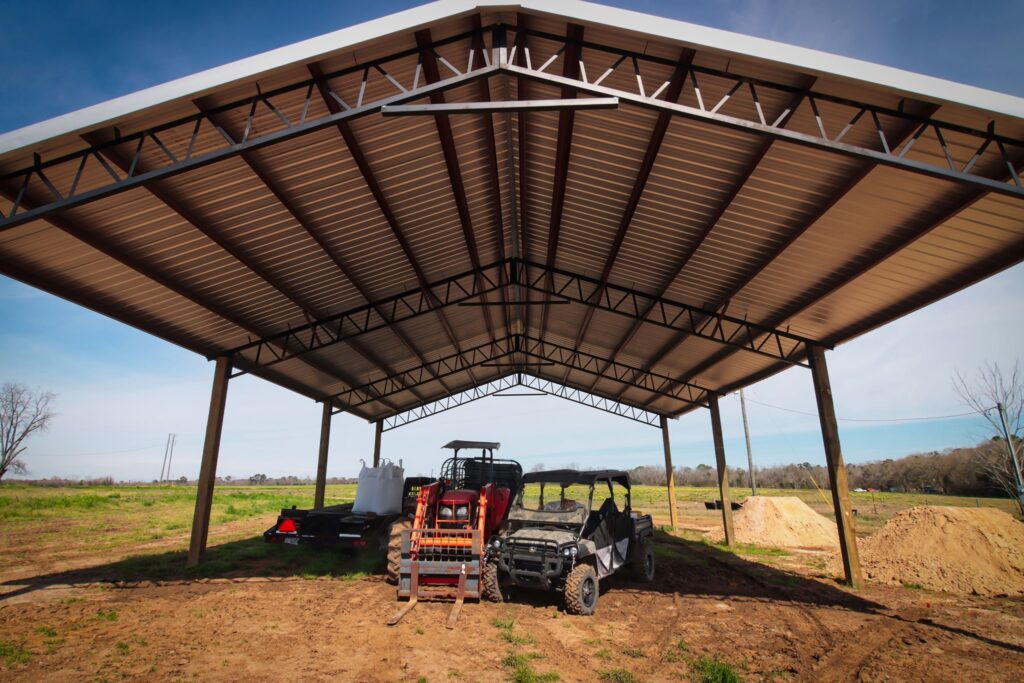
(144,530)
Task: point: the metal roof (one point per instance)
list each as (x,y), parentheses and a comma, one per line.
(742,200)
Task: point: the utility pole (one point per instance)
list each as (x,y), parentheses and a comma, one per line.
(170,455)
(1017,476)
(163,465)
(750,453)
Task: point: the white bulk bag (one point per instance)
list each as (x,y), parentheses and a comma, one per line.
(390,483)
(379,490)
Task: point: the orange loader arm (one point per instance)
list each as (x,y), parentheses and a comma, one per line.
(426,500)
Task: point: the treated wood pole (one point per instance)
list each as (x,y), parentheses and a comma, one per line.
(321,465)
(670,475)
(376,443)
(208,468)
(723,471)
(836,468)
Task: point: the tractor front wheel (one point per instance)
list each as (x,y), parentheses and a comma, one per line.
(491,584)
(581,590)
(395,549)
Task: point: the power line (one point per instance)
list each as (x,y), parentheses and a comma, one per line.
(865,419)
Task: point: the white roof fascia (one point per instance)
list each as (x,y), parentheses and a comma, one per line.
(699,37)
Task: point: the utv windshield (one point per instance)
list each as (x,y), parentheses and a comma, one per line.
(553,497)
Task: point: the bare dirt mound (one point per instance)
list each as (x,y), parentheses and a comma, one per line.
(781,521)
(958,550)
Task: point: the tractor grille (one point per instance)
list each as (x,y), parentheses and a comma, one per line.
(444,545)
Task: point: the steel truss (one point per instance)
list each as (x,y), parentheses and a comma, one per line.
(519,349)
(374,315)
(524,379)
(972,156)
(699,322)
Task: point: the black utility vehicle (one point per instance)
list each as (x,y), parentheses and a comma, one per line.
(566,532)
(337,526)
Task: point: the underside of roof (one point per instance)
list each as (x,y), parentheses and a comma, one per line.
(726,212)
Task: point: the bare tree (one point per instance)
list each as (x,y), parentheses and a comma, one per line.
(22,412)
(993,385)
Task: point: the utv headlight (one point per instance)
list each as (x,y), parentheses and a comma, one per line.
(445,513)
(573,550)
(496,543)
(566,551)
(462,512)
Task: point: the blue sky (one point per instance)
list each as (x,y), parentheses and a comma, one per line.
(120,392)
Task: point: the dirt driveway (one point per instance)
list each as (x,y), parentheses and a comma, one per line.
(707,608)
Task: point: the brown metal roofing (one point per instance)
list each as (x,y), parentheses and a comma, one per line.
(286,202)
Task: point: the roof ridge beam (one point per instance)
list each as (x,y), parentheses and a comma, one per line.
(451,160)
(522,133)
(563,149)
(490,147)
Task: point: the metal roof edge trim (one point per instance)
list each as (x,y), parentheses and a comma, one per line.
(693,35)
(811,60)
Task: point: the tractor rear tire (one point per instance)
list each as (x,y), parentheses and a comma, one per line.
(581,590)
(395,549)
(643,566)
(490,589)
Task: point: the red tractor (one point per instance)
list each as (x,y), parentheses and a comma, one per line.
(444,553)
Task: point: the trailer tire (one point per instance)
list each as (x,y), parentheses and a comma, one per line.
(581,590)
(395,549)
(643,565)
(491,583)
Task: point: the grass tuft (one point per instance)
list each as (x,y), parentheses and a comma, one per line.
(618,676)
(711,669)
(12,652)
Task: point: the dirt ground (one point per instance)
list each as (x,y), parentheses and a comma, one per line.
(265,612)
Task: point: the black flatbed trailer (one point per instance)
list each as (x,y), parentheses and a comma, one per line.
(338,527)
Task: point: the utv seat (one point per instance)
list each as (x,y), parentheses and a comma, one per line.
(607,511)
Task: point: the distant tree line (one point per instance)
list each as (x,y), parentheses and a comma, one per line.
(980,470)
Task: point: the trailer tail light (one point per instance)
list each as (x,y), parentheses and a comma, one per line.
(359,544)
(287,527)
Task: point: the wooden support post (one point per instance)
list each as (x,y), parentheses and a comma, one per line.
(836,468)
(723,470)
(376,443)
(321,465)
(208,468)
(670,475)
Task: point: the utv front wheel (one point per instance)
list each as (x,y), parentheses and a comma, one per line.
(491,584)
(581,590)
(643,566)
(395,549)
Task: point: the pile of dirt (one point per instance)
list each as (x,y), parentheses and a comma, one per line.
(781,521)
(957,550)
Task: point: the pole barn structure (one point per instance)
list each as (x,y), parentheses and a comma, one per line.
(636,214)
